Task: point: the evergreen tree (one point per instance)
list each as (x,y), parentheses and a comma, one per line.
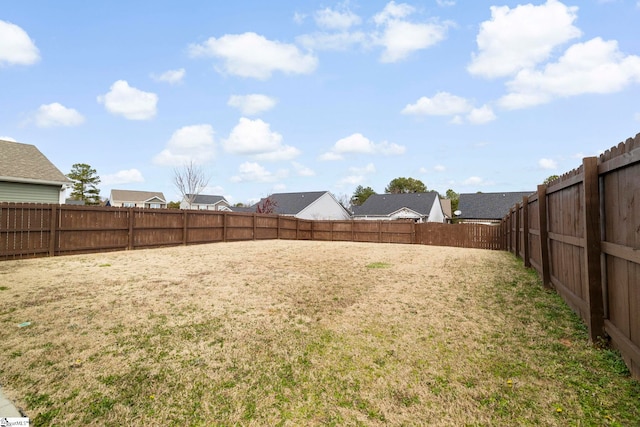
(85,184)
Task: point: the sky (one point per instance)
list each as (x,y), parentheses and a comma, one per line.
(288,96)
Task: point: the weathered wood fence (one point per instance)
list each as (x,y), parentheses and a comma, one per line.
(582,234)
(32,230)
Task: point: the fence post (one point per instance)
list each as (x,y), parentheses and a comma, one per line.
(278,228)
(593,247)
(525,231)
(517,243)
(255,225)
(379,231)
(184,227)
(544,235)
(53,231)
(131,218)
(224,227)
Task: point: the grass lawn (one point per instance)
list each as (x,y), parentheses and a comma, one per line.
(300,333)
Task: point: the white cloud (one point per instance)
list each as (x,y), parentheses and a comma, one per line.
(482,115)
(255,138)
(122,177)
(359,144)
(399,37)
(254,172)
(253,104)
(330,156)
(439,168)
(171,76)
(358,175)
(519,38)
(8,138)
(332,41)
(302,170)
(393,11)
(476,181)
(547,164)
(16,47)
(189,143)
(299,18)
(446,3)
(442,104)
(129,102)
(51,115)
(336,20)
(252,55)
(596,66)
(637,117)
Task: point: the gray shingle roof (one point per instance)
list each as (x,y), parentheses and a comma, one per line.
(386,204)
(134,196)
(292,203)
(25,162)
(488,205)
(207,199)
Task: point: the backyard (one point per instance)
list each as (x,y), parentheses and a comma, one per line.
(300,333)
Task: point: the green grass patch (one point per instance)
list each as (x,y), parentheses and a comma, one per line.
(378,265)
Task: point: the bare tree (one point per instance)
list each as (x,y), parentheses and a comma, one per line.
(266,206)
(190,180)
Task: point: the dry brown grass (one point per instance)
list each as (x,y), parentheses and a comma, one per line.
(299,333)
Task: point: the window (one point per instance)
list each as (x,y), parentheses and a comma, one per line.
(128,205)
(155,205)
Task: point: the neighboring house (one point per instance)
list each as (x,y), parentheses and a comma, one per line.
(137,199)
(487,208)
(308,205)
(420,207)
(205,202)
(26,175)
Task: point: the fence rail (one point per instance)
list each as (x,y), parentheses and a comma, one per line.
(582,234)
(31,230)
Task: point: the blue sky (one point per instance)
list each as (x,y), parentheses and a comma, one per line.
(287,96)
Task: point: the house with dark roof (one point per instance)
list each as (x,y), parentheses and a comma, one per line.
(26,175)
(487,208)
(318,205)
(137,199)
(205,202)
(419,207)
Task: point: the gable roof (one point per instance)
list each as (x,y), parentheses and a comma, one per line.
(206,199)
(386,204)
(291,203)
(135,196)
(488,205)
(25,163)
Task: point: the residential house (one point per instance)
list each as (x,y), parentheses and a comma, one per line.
(26,175)
(487,208)
(318,205)
(420,207)
(205,202)
(137,199)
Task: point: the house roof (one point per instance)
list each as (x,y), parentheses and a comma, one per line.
(135,196)
(25,163)
(386,204)
(206,199)
(488,205)
(291,203)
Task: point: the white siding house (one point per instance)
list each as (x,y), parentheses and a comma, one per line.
(318,205)
(419,207)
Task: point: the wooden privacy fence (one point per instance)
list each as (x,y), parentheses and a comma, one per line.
(32,230)
(582,234)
